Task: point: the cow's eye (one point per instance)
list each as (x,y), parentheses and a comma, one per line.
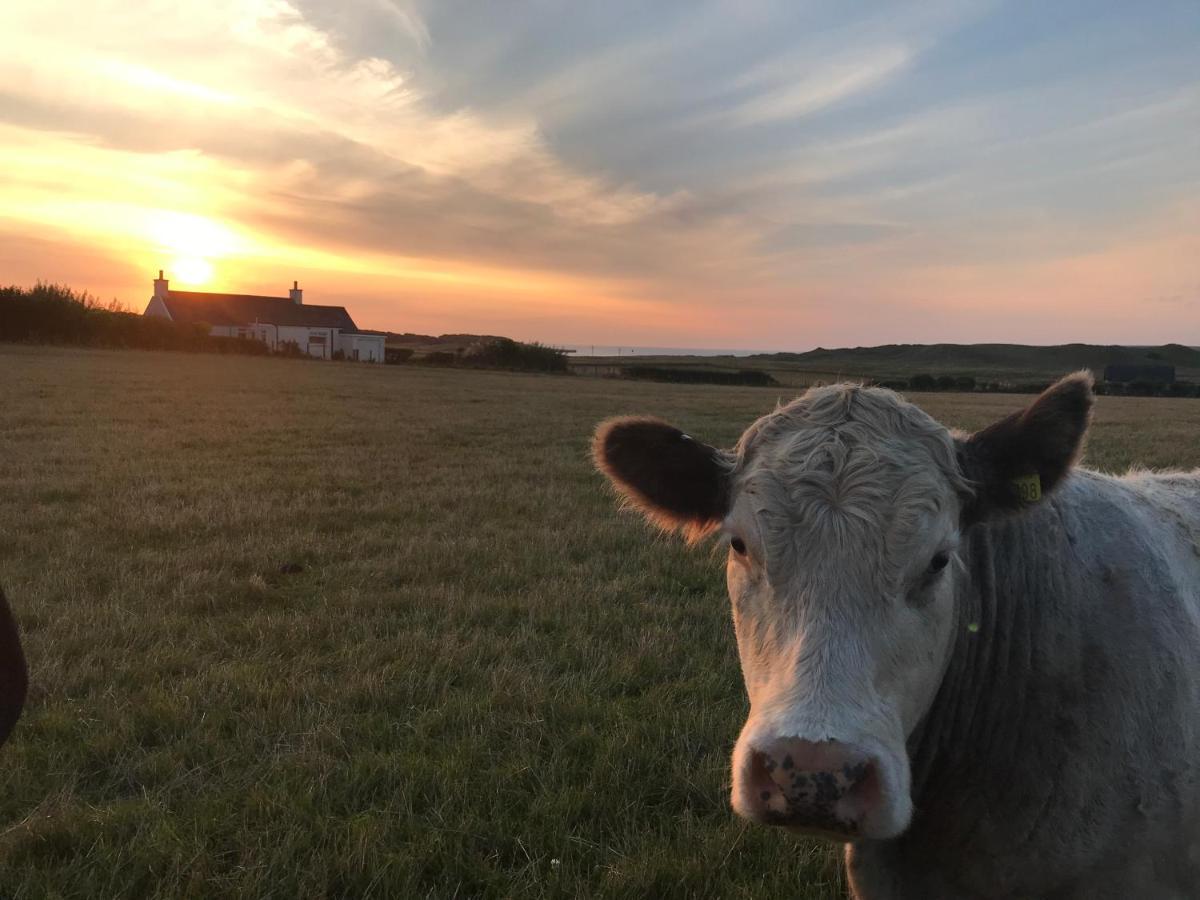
(738,546)
(939,562)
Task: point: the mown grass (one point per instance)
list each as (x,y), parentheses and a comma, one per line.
(316,630)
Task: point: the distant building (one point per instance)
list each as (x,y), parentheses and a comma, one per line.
(319,331)
(1127,374)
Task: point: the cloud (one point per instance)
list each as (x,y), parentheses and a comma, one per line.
(283,78)
(741,164)
(807,92)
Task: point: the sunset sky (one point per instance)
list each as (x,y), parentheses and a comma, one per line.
(744,174)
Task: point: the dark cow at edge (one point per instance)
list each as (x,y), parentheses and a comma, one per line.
(971,661)
(14,677)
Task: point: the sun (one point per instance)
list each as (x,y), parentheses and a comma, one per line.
(195,243)
(191,235)
(191,270)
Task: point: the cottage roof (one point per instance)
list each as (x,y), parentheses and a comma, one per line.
(244,309)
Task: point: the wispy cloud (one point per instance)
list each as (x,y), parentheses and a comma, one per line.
(801,93)
(618,160)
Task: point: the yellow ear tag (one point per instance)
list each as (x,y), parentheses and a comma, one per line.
(1029,487)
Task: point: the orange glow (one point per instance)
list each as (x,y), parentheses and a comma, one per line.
(191,271)
(195,236)
(298,154)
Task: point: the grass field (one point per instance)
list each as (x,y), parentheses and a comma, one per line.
(316,630)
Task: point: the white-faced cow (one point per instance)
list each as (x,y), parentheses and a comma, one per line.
(971,661)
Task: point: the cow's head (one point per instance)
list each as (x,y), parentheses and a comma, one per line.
(843,512)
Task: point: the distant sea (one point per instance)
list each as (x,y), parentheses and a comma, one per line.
(604,350)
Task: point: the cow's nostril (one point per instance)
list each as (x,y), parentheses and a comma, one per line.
(768,796)
(863,791)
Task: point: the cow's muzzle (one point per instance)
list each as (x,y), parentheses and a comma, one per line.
(823,787)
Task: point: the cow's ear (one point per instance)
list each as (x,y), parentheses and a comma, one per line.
(14,676)
(678,483)
(1013,463)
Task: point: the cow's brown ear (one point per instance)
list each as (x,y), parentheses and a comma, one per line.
(1013,463)
(679,483)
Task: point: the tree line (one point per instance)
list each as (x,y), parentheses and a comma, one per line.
(56,314)
(968,384)
(497,353)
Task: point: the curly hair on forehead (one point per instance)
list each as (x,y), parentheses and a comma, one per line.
(877,420)
(859,466)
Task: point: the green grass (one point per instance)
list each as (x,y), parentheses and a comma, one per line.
(483,681)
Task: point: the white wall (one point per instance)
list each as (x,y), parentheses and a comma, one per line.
(362,347)
(318,342)
(157,308)
(322,347)
(371,347)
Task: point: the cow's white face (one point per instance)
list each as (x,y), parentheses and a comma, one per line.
(844,513)
(843,528)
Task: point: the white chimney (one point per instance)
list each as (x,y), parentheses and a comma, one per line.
(160,286)
(296,294)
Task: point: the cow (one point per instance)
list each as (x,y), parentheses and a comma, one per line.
(969,660)
(14,676)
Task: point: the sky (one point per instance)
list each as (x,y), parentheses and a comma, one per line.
(752,174)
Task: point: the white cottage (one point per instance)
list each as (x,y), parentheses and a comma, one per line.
(319,331)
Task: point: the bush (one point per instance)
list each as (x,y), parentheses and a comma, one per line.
(289,349)
(56,314)
(747,377)
(505,353)
(965,383)
(46,313)
(491,353)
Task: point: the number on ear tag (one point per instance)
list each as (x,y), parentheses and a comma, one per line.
(1029,488)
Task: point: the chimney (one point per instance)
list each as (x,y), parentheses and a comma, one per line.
(160,286)
(296,294)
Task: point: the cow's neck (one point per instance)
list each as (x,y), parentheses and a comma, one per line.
(973,799)
(999,653)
